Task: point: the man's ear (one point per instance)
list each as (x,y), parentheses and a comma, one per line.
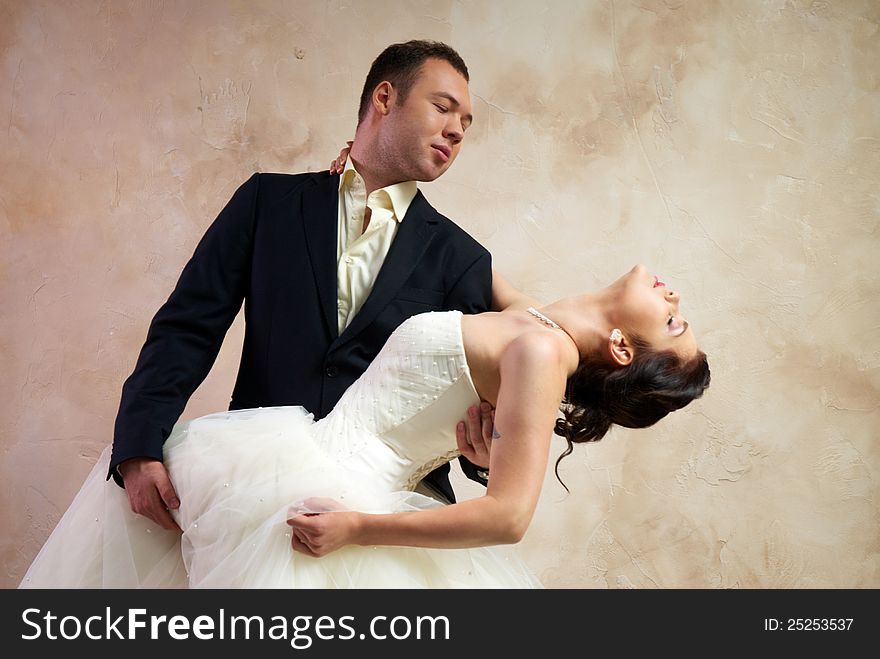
(383,97)
(621,351)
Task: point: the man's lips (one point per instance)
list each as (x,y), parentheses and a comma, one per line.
(657,282)
(443,150)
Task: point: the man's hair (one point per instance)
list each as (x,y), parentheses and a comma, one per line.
(400,65)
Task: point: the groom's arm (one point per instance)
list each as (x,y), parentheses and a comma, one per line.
(186,333)
(472,293)
(505,296)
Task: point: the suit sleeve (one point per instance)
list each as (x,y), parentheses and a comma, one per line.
(186,333)
(472,293)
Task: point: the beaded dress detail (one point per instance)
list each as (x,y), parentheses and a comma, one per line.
(238,473)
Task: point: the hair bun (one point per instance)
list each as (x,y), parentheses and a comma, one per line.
(583,424)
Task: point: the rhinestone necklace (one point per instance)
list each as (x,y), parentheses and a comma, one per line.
(537,314)
(549,323)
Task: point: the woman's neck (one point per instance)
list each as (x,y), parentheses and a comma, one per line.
(584,319)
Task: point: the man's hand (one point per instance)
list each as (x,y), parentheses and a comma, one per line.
(150,491)
(338,165)
(474,436)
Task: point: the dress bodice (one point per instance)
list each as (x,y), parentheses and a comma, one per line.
(397,421)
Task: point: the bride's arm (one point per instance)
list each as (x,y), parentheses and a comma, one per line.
(532,385)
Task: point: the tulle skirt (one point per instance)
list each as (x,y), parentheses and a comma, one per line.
(237,475)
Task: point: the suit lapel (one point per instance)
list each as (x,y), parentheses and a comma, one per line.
(413,237)
(320,216)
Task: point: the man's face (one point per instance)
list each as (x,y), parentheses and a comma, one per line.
(422,135)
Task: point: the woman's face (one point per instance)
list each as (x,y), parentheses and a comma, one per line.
(647,308)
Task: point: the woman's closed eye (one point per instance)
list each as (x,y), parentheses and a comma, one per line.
(674,327)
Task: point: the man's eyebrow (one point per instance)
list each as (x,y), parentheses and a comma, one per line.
(454,101)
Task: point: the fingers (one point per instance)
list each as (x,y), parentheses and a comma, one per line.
(166,489)
(487,418)
(300,544)
(478,430)
(473,425)
(302,529)
(337,166)
(167,498)
(151,506)
(323,505)
(461,441)
(164,519)
(150,492)
(315,506)
(161,499)
(300,520)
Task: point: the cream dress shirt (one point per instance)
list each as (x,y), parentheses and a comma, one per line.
(360,254)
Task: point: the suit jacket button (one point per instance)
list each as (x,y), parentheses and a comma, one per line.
(331,371)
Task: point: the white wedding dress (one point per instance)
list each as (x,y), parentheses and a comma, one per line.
(238,473)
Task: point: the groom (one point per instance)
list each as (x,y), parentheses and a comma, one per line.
(327,266)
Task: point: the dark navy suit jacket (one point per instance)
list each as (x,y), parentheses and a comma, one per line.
(273,248)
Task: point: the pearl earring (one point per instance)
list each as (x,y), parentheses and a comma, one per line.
(616,335)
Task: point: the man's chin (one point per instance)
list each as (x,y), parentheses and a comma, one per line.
(428,174)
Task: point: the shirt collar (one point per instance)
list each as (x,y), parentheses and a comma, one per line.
(401,194)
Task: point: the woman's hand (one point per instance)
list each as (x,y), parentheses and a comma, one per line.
(338,165)
(319,533)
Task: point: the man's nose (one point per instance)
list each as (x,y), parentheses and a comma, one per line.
(453,130)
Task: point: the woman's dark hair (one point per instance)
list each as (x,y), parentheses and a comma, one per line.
(601,393)
(400,64)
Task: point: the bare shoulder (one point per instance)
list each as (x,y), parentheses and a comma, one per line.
(507,336)
(532,378)
(534,351)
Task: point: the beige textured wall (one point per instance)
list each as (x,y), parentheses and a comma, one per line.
(733,147)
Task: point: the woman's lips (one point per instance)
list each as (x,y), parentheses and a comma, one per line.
(657,282)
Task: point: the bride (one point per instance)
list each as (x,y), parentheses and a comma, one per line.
(272,499)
